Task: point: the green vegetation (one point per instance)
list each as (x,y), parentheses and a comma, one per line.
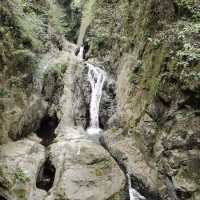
(21,194)
(20,176)
(59,67)
(72,19)
(189,9)
(3,92)
(86,19)
(101,167)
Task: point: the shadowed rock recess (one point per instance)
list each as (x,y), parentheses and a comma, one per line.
(100,100)
(46,176)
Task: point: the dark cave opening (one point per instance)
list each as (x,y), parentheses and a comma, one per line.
(182,195)
(46,175)
(47,128)
(87,115)
(2,198)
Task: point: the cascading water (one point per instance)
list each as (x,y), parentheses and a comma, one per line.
(134,195)
(81,53)
(97,78)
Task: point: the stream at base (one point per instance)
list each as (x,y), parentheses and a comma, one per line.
(133,194)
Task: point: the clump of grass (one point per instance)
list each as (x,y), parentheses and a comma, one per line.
(20,176)
(3,92)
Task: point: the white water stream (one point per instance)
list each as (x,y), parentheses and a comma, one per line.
(134,195)
(97,78)
(81,52)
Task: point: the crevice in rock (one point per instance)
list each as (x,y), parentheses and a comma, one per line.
(47,128)
(2,198)
(136,183)
(141,188)
(192,101)
(121,166)
(182,195)
(46,132)
(46,175)
(170,187)
(87,117)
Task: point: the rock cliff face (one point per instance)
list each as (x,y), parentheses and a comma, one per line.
(149,109)
(29,31)
(152,48)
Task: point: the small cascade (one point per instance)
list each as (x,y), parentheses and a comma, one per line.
(96,78)
(134,195)
(81,53)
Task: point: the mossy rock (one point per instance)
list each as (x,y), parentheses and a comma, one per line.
(102,166)
(20,176)
(26,60)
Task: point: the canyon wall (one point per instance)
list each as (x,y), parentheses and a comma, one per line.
(152,49)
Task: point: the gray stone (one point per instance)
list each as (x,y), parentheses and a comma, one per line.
(19,164)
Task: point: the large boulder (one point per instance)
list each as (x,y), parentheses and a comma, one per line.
(20,115)
(84,170)
(19,164)
(124,149)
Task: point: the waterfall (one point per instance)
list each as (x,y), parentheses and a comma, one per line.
(134,195)
(96,78)
(81,53)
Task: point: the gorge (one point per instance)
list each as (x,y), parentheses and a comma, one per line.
(99,100)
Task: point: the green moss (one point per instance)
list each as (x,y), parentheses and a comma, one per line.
(155,83)
(71,19)
(188,9)
(18,32)
(113,130)
(153,61)
(3,92)
(59,67)
(102,166)
(98,172)
(20,176)
(55,14)
(21,193)
(190,173)
(25,60)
